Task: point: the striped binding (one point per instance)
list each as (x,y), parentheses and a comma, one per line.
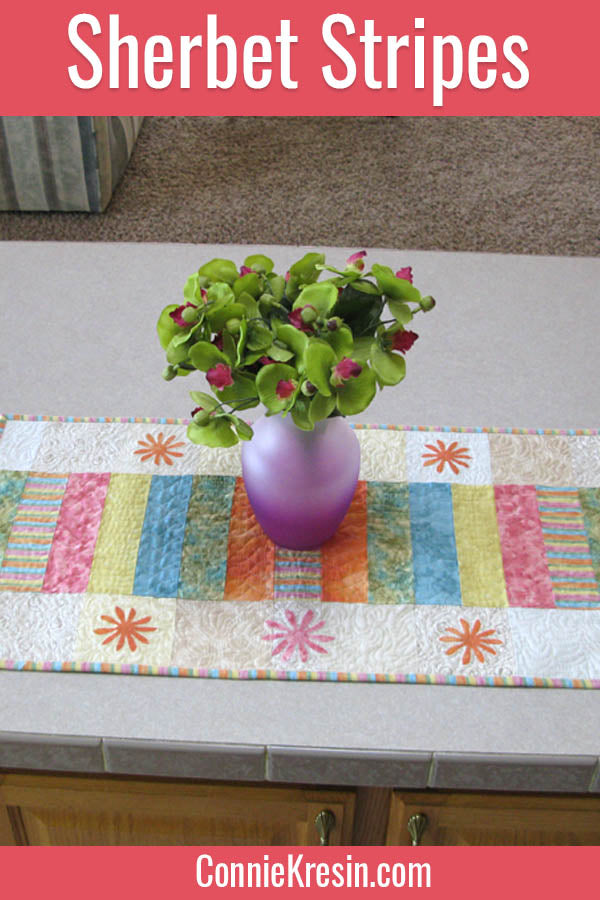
(358,426)
(294,675)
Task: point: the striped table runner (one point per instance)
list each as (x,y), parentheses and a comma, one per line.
(468,556)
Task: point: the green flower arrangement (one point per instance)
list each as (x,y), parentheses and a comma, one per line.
(299,345)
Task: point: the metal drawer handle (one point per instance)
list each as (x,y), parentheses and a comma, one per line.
(324,823)
(416,827)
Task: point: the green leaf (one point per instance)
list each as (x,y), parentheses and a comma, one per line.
(177,352)
(365,287)
(205,356)
(206,401)
(361,311)
(320,407)
(241,342)
(392,287)
(355,394)
(278,353)
(219,295)
(389,367)
(220,270)
(242,389)
(292,337)
(318,361)
(249,304)
(266,384)
(218,433)
(300,413)
(191,289)
(341,341)
(166,327)
(229,348)
(401,311)
(322,296)
(277,283)
(305,270)
(250,283)
(259,263)
(244,430)
(362,349)
(218,317)
(259,337)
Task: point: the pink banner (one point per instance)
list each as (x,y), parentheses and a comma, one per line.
(310,58)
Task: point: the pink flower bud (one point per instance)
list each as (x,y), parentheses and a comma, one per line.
(347,368)
(356,260)
(220,377)
(244,270)
(405,273)
(284,389)
(403,340)
(177,317)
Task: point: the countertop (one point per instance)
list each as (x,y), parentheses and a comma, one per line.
(512,342)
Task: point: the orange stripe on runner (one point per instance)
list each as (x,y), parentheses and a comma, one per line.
(250,553)
(344,563)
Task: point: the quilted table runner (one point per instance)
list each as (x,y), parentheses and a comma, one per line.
(468,556)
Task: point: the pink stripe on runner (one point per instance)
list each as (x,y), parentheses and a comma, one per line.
(526,572)
(72,552)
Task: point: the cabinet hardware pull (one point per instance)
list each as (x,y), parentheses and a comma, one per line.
(416,827)
(324,823)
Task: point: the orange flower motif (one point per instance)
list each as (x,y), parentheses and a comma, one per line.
(454,455)
(159,448)
(471,640)
(126,629)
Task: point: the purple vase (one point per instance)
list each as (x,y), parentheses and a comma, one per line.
(300,483)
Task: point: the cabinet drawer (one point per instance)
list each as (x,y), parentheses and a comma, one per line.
(495,819)
(51,810)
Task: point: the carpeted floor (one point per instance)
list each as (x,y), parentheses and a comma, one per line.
(519,185)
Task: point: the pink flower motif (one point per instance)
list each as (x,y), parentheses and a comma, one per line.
(356,260)
(266,361)
(177,317)
(219,377)
(405,273)
(287,276)
(284,389)
(218,340)
(403,340)
(245,270)
(346,369)
(297,636)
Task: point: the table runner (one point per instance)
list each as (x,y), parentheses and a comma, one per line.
(469,556)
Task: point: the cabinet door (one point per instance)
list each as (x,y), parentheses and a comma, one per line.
(495,819)
(51,810)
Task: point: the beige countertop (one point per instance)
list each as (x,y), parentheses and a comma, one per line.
(513,342)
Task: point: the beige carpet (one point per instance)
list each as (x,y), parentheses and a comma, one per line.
(520,185)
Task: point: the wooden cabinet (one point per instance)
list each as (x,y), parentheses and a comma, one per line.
(98,810)
(51,810)
(497,819)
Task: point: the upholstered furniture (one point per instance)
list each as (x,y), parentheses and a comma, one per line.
(63,162)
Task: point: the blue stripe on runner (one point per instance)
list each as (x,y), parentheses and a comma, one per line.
(435,561)
(159,554)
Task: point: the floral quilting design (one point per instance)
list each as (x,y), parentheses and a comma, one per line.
(453,455)
(160,448)
(470,640)
(124,628)
(300,636)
